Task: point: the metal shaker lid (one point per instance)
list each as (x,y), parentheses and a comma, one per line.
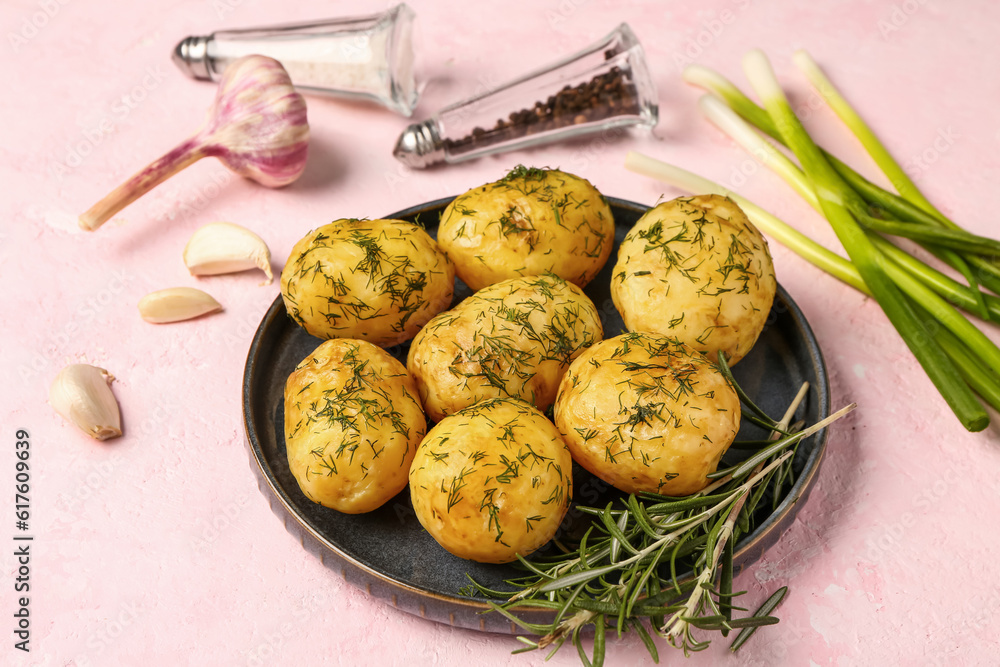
(420,145)
(191,56)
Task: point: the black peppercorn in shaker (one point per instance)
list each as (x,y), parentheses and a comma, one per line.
(605,85)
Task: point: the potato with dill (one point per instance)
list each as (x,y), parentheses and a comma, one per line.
(492,481)
(697,269)
(352,425)
(530,222)
(374,280)
(646,412)
(512,339)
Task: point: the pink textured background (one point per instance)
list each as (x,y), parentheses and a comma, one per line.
(157,549)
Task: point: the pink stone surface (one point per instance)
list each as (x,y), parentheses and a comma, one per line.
(158,549)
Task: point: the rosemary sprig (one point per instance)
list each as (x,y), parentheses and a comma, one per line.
(622,574)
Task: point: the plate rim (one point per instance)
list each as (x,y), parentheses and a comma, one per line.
(765,535)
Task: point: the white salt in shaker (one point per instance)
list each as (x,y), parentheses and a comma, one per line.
(365,57)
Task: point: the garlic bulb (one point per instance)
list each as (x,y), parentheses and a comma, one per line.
(257,127)
(222,247)
(82,394)
(176,304)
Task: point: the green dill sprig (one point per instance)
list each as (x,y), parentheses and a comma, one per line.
(623,572)
(525,173)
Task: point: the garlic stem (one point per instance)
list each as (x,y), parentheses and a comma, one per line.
(82,394)
(142,182)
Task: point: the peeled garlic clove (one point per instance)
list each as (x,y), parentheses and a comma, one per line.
(222,247)
(82,394)
(176,304)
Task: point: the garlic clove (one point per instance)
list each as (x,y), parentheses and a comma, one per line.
(223,247)
(82,394)
(176,304)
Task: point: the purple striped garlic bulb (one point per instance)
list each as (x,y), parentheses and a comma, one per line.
(256,126)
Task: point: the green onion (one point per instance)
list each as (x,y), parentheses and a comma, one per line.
(988,273)
(906,187)
(947,238)
(955,292)
(985,383)
(833,193)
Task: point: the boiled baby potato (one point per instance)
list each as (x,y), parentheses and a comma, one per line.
(352,425)
(530,222)
(695,268)
(492,481)
(375,280)
(646,412)
(512,339)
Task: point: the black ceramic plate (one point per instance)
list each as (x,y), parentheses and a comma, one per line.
(388,553)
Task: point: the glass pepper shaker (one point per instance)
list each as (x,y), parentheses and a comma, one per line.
(366,57)
(603,86)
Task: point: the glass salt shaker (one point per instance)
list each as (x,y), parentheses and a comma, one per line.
(605,85)
(365,57)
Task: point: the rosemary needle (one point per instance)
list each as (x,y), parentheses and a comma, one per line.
(763,611)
